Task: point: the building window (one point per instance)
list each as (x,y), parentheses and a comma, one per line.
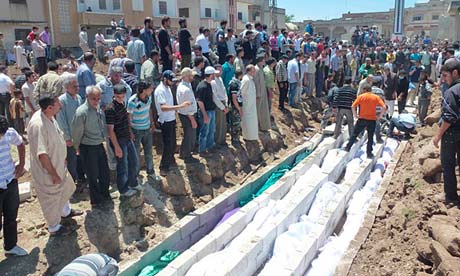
(255,15)
(163,7)
(138,5)
(240,16)
(116,5)
(102,5)
(435,17)
(184,12)
(230,2)
(207,12)
(24,2)
(65,26)
(417,18)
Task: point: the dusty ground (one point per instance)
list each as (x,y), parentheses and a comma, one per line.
(125,229)
(411,220)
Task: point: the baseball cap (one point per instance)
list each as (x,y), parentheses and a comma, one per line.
(210,70)
(187,71)
(169,75)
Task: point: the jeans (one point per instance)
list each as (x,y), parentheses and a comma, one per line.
(186,61)
(450,154)
(413,93)
(207,132)
(283,86)
(168,131)
(189,139)
(5,106)
(339,118)
(292,93)
(423,105)
(100,53)
(9,205)
(401,104)
(127,165)
(362,124)
(394,122)
(74,164)
(145,138)
(96,169)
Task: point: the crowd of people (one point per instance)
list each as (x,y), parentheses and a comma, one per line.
(89,128)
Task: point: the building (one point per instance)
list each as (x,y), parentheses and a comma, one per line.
(65,17)
(17,18)
(432,18)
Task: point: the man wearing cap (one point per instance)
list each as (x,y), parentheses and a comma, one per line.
(207,105)
(449,131)
(164,103)
(263,113)
(187,115)
(367,117)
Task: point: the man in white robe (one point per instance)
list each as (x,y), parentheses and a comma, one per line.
(249,123)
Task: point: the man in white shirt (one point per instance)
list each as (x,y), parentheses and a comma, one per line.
(203,40)
(294,77)
(164,103)
(28,93)
(221,100)
(6,90)
(187,115)
(99,40)
(83,37)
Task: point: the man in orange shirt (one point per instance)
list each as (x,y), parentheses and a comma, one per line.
(367,117)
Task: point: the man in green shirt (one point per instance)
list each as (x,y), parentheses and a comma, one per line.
(150,69)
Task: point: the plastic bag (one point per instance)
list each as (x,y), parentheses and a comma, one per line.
(153,269)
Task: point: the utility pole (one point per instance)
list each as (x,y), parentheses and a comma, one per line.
(273,17)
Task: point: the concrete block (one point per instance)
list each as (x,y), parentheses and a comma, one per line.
(237,264)
(308,254)
(252,207)
(25,191)
(207,245)
(281,188)
(168,271)
(222,234)
(238,223)
(199,233)
(182,263)
(187,225)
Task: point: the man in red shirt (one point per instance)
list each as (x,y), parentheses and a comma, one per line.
(32,34)
(368,103)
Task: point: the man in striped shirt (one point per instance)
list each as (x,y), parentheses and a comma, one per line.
(142,124)
(342,101)
(91,265)
(9,191)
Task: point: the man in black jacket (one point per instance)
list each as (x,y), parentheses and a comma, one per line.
(389,89)
(402,86)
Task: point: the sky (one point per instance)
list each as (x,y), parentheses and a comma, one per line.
(328,9)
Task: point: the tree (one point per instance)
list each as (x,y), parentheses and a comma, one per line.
(289,18)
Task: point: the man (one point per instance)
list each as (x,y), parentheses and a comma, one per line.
(236,112)
(389,88)
(404,123)
(39,50)
(85,75)
(49,83)
(249,125)
(269,77)
(238,63)
(207,105)
(27,91)
(203,41)
(221,101)
(164,103)
(228,70)
(99,41)
(402,86)
(293,69)
(449,132)
(199,53)
(165,44)
(249,50)
(263,113)
(45,38)
(83,38)
(32,34)
(231,40)
(281,75)
(146,35)
(414,77)
(91,264)
(136,50)
(367,117)
(142,125)
(129,76)
(342,102)
(185,49)
(121,142)
(88,135)
(187,115)
(220,42)
(106,86)
(70,101)
(6,92)
(9,192)
(311,73)
(53,185)
(368,81)
(150,69)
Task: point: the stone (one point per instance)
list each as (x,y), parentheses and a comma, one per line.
(431,167)
(440,254)
(205,177)
(175,185)
(131,233)
(423,249)
(142,245)
(25,191)
(429,132)
(433,118)
(134,201)
(149,215)
(427,151)
(446,234)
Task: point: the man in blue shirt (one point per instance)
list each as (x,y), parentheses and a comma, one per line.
(404,123)
(147,35)
(414,78)
(85,75)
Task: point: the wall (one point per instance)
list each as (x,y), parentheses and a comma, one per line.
(219,5)
(94,4)
(33,11)
(171,8)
